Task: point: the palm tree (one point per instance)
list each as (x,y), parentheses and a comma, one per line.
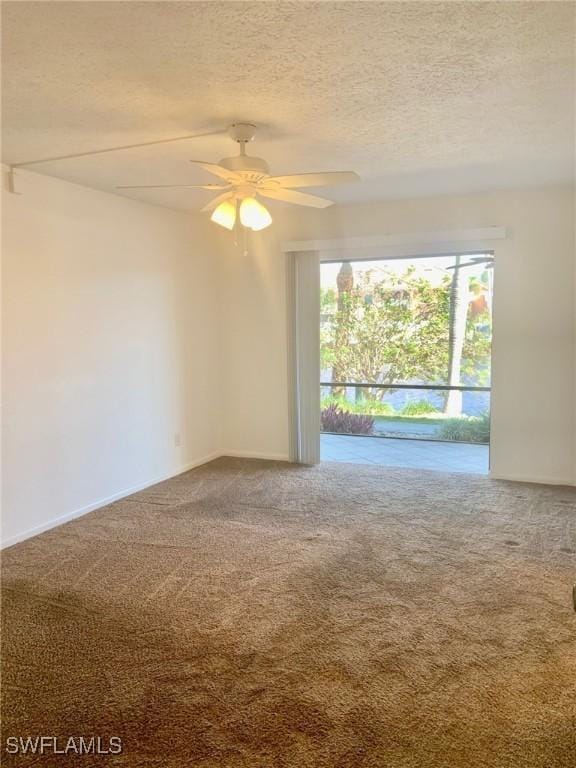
(459,298)
(344,284)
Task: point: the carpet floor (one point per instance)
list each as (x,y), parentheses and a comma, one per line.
(252,614)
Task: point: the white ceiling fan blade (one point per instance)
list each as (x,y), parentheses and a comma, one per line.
(215,202)
(173,186)
(218,170)
(298,198)
(315,179)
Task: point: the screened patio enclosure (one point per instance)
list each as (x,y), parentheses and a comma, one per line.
(405,348)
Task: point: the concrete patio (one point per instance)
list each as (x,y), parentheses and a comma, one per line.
(416,454)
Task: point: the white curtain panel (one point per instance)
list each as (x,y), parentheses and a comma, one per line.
(304,362)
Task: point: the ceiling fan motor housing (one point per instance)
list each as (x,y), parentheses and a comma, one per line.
(250,168)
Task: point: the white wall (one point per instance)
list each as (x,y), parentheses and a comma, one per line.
(534,340)
(126,324)
(110,348)
(254,346)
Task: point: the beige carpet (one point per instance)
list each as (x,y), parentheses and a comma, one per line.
(265,615)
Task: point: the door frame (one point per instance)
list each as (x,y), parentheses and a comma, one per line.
(303,260)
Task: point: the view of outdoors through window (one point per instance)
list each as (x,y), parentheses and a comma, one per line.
(405,347)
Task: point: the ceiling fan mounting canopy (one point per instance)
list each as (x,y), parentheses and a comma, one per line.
(242,132)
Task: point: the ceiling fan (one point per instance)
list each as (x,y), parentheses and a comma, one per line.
(247,178)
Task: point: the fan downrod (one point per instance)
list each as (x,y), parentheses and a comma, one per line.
(253,169)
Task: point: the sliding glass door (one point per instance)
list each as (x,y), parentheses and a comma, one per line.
(405,347)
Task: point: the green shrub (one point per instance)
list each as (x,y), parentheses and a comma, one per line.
(369,407)
(334,419)
(373,407)
(326,402)
(418,408)
(468,429)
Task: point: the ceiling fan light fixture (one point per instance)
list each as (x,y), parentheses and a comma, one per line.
(225,214)
(254,215)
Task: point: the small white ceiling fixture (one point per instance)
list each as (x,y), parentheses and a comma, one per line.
(246,178)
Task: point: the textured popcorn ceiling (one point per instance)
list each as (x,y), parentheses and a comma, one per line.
(419,98)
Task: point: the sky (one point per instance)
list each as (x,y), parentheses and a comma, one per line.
(431,267)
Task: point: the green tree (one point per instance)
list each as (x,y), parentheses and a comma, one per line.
(395,330)
(399,329)
(478,339)
(327,311)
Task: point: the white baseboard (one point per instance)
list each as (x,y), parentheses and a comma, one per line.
(204,460)
(103,502)
(526,479)
(256,455)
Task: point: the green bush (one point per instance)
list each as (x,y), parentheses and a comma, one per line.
(334,419)
(369,407)
(468,429)
(373,408)
(418,408)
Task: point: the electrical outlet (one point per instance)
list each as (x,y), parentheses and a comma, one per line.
(177,439)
